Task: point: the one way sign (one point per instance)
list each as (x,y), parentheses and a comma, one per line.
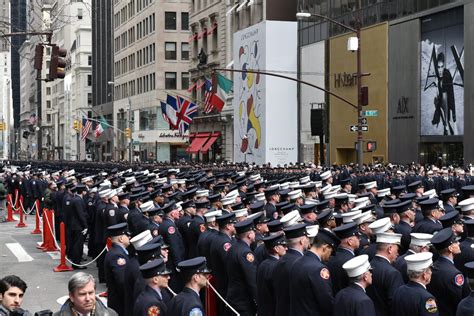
(363,128)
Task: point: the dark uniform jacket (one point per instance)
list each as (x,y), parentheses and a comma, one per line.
(448,285)
(177,252)
(281,281)
(427,226)
(466,255)
(266,301)
(466,306)
(186,303)
(221,244)
(196,228)
(405,229)
(131,273)
(413,299)
(149,302)
(353,301)
(385,280)
(310,287)
(242,272)
(339,277)
(114,265)
(204,245)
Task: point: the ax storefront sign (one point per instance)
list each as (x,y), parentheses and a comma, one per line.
(364,128)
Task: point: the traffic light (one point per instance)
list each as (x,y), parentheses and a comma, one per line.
(371,146)
(2,126)
(57,63)
(128,132)
(364,96)
(39,57)
(76,125)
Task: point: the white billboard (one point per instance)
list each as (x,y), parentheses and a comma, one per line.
(265,107)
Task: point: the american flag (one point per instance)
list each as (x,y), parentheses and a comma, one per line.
(208,96)
(86,127)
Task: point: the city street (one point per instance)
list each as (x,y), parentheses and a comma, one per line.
(19,256)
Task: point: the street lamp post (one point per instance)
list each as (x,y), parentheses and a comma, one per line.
(353,46)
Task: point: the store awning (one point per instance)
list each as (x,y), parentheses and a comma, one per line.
(210,141)
(197,142)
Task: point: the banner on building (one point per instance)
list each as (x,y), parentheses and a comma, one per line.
(442,73)
(265,107)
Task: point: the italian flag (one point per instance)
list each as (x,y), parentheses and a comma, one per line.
(100,127)
(222,87)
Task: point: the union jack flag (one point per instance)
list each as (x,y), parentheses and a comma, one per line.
(208,96)
(185,114)
(86,127)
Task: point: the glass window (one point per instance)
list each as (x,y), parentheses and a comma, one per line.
(184,80)
(170,80)
(170,50)
(184,21)
(185,51)
(170,20)
(148,119)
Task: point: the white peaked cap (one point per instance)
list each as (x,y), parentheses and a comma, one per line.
(381,225)
(285,185)
(370,185)
(420,239)
(294,185)
(304,180)
(145,207)
(232,194)
(366,217)
(389,238)
(326,188)
(419,261)
(325,175)
(211,216)
(383,192)
(295,194)
(349,216)
(466,205)
(312,230)
(228,200)
(202,193)
(141,239)
(291,218)
(104,193)
(430,193)
(357,266)
(241,213)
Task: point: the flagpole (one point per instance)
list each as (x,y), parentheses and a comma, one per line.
(105,123)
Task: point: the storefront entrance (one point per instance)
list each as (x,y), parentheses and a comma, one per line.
(442,154)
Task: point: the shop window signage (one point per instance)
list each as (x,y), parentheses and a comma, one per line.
(344,80)
(403,111)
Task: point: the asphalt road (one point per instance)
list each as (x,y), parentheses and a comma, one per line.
(19,255)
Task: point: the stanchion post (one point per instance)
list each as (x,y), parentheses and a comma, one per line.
(21,223)
(16,206)
(37,229)
(9,209)
(63,267)
(211,303)
(49,244)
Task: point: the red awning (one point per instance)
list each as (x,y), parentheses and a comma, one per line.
(211,141)
(198,142)
(212,29)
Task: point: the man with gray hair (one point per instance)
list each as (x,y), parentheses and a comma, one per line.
(82,300)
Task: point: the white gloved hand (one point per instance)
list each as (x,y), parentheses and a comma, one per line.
(84,232)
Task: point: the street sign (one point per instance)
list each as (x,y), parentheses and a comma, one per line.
(371,113)
(136,142)
(363,120)
(364,128)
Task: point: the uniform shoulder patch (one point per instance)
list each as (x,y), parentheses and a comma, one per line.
(250,258)
(196,312)
(202,228)
(459,279)
(121,261)
(153,311)
(171,230)
(430,306)
(227,246)
(111,212)
(324,273)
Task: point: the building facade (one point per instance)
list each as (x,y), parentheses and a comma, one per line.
(6,115)
(400,116)
(102,75)
(69,99)
(151,60)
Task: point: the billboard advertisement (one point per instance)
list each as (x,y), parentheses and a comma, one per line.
(265,107)
(442,74)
